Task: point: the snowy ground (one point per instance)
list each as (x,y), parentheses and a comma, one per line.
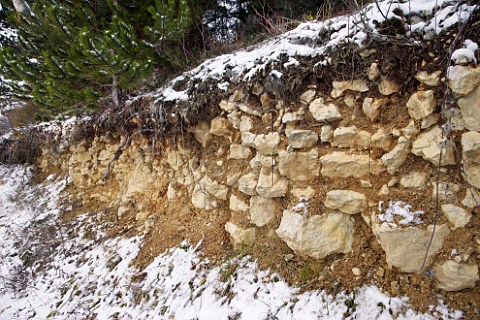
(68,272)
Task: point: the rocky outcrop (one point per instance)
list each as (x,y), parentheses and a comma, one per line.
(317,236)
(321,159)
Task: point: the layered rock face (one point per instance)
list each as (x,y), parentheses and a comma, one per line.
(312,171)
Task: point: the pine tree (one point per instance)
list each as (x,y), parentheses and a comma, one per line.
(75,54)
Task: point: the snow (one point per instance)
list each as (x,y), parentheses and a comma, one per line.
(399,209)
(307,40)
(89,278)
(466,54)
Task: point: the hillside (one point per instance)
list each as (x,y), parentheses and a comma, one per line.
(332,172)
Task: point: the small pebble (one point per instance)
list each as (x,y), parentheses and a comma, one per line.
(356,272)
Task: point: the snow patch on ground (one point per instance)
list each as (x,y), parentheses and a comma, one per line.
(89,278)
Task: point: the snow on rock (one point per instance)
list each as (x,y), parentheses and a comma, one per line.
(467,54)
(399,209)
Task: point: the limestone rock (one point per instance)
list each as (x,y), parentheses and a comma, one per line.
(472,198)
(457,216)
(293,116)
(414,180)
(471,147)
(104,155)
(122,211)
(213,188)
(317,236)
(427,146)
(343,165)
(326,134)
(227,106)
(472,173)
(447,191)
(172,192)
(248,110)
(373,72)
(262,210)
(261,160)
(247,183)
(267,143)
(454,276)
(246,123)
(470,108)
(233,174)
(248,139)
(236,204)
(349,137)
(237,96)
(387,87)
(234,118)
(371,107)
(411,130)
(201,133)
(381,140)
(346,201)
(395,158)
(271,184)
(307,96)
(221,127)
(299,166)
(339,87)
(302,139)
(429,79)
(237,151)
(307,192)
(240,237)
(463,79)
(421,104)
(202,200)
(405,248)
(471,157)
(324,112)
(430,120)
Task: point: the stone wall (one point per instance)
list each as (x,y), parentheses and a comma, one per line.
(313,169)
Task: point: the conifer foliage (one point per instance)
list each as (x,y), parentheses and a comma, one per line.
(72,54)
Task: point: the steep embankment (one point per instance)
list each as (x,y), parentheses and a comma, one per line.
(342,153)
